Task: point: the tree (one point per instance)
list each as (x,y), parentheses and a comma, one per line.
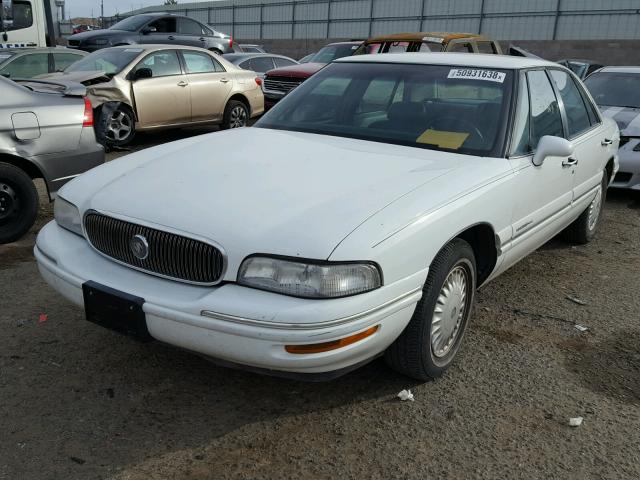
(170,2)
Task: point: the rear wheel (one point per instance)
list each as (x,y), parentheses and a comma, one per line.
(18,203)
(116,125)
(584,228)
(236,114)
(427,346)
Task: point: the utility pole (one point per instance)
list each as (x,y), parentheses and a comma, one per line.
(101,13)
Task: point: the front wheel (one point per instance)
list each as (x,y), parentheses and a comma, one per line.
(584,228)
(18,203)
(428,345)
(116,125)
(236,114)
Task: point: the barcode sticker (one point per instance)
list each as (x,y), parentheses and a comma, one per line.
(477,74)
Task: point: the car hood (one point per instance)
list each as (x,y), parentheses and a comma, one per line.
(105,32)
(86,78)
(255,190)
(627,118)
(304,70)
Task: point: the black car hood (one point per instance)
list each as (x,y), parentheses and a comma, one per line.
(107,32)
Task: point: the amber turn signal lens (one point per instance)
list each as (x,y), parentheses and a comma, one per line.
(333,345)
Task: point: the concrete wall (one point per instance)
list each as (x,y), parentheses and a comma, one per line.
(608,52)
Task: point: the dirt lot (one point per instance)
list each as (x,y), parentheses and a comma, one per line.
(80,402)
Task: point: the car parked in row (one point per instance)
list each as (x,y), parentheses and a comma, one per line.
(249,48)
(259,62)
(154,28)
(616,90)
(368,206)
(280,81)
(582,68)
(429,42)
(144,87)
(31,62)
(46,131)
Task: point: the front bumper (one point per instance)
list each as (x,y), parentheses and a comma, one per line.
(233,323)
(628,175)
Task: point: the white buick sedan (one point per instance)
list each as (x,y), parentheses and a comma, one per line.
(356,219)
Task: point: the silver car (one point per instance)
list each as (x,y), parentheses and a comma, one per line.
(617,93)
(46,131)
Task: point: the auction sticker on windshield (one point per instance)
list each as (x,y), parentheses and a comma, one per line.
(477,74)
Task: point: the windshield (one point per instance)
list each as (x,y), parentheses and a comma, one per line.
(109,60)
(426,106)
(131,24)
(615,89)
(333,52)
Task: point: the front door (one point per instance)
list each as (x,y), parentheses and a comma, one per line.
(542,194)
(209,85)
(160,31)
(164,98)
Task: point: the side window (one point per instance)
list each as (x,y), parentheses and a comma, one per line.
(485,47)
(397,47)
(22,16)
(261,64)
(246,65)
(520,144)
(63,60)
(197,62)
(545,114)
(283,62)
(27,66)
(189,27)
(164,25)
(576,111)
(460,47)
(162,64)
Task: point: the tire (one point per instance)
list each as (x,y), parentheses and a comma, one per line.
(584,228)
(418,352)
(19,203)
(115,125)
(236,114)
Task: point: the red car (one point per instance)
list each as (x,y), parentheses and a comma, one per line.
(277,83)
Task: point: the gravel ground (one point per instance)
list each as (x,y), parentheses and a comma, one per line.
(80,402)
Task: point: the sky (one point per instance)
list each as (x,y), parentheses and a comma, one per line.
(83,8)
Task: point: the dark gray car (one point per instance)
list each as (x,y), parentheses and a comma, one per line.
(259,62)
(46,131)
(154,28)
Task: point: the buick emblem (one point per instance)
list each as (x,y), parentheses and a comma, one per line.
(139,247)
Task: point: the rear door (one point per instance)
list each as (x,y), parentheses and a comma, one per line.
(542,194)
(209,85)
(163,99)
(190,33)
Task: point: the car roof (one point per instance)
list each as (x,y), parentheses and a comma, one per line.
(15,51)
(457,59)
(149,47)
(241,56)
(358,42)
(419,36)
(629,69)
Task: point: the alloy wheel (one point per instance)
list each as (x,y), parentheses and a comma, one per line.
(119,126)
(237,117)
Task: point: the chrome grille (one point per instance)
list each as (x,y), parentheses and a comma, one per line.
(169,255)
(282,85)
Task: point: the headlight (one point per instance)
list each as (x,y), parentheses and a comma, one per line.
(67,215)
(309,279)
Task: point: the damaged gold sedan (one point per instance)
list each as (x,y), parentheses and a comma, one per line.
(144,87)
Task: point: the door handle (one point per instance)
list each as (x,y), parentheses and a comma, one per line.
(570,162)
(171,37)
(224,80)
(182,83)
(606,142)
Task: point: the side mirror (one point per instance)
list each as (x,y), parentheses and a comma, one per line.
(550,146)
(147,30)
(142,73)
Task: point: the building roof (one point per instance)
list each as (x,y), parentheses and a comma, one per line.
(629,69)
(458,59)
